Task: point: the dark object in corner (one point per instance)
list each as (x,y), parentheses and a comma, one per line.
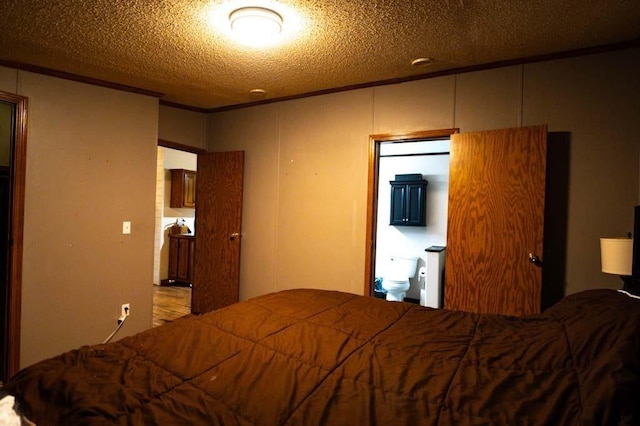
(378,291)
(635,263)
(631,285)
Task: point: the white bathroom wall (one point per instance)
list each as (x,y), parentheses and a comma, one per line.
(412,240)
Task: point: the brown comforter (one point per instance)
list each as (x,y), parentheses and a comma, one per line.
(308,357)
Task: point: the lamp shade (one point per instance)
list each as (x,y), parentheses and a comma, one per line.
(616,255)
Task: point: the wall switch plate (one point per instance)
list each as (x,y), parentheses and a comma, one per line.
(126,227)
(125,310)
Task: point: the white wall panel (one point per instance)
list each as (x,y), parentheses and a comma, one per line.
(8,79)
(323,191)
(413,106)
(91,164)
(595,101)
(182,126)
(313,175)
(490,99)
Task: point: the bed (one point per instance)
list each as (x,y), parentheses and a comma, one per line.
(314,357)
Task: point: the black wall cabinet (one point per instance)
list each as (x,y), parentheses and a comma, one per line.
(408,200)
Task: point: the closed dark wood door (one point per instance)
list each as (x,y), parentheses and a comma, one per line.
(495,219)
(217,231)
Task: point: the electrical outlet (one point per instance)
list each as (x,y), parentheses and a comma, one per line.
(125,310)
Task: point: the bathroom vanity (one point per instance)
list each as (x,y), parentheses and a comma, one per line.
(180,259)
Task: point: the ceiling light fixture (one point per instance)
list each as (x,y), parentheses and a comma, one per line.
(255,23)
(422,62)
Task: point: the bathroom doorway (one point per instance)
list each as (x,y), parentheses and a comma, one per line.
(425,153)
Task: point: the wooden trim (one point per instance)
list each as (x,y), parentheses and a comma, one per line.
(181,147)
(79,78)
(372,190)
(518,61)
(414,136)
(17,224)
(481,67)
(372,215)
(185,107)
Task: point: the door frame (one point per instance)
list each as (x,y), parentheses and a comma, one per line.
(181,147)
(372,190)
(17,182)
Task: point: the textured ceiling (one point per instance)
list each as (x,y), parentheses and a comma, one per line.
(174,47)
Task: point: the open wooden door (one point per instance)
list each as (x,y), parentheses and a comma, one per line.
(495,221)
(218,224)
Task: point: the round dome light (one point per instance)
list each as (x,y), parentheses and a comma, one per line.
(255,22)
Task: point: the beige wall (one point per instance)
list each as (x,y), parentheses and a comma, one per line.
(597,99)
(186,128)
(90,166)
(255,130)
(182,126)
(305,195)
(305,180)
(8,80)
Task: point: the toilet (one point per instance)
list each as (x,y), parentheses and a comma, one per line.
(396,282)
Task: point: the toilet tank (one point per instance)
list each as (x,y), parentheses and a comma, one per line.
(402,267)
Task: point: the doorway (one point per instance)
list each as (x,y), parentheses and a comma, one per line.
(386,145)
(171,296)
(495,220)
(13,125)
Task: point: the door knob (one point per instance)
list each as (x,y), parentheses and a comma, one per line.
(535,259)
(234,235)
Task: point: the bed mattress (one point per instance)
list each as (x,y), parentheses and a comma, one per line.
(313,357)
